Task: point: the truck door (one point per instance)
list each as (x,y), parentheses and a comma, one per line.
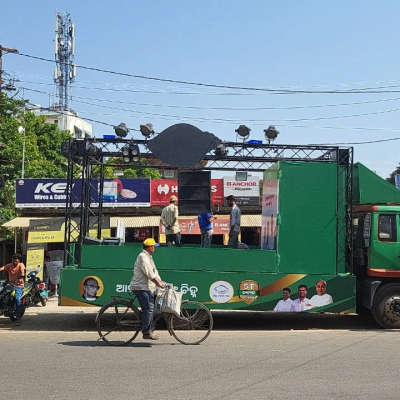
(385,246)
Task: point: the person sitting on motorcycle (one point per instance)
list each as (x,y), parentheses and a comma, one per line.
(16,274)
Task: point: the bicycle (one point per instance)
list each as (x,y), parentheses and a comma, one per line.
(118,322)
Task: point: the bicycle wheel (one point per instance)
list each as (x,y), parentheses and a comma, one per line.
(193,325)
(118,323)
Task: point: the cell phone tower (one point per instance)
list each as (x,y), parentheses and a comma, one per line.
(64,48)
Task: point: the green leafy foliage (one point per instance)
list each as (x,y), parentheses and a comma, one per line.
(138,169)
(42,152)
(392,177)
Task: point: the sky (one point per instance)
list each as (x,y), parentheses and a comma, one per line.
(295,45)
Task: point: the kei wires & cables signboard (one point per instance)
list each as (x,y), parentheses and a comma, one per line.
(47,193)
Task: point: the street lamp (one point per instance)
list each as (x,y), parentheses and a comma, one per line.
(21,129)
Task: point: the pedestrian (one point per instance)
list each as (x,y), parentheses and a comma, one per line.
(16,275)
(206,228)
(169,218)
(234,222)
(144,281)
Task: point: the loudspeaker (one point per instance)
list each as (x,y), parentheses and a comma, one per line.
(194,192)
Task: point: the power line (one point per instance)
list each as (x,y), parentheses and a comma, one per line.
(242,120)
(320,144)
(227,108)
(335,127)
(355,143)
(367,90)
(80,116)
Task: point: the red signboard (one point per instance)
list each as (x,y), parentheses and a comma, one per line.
(217,191)
(190,226)
(163,189)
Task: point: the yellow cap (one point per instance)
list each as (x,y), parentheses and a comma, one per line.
(173,198)
(149,242)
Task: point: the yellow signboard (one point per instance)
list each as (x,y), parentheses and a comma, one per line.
(52,230)
(35,260)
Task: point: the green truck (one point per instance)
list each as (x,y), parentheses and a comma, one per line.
(359,262)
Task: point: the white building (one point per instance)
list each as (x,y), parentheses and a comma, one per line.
(66,121)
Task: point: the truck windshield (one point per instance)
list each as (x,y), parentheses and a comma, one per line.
(387,228)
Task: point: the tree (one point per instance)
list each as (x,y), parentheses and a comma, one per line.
(392,177)
(135,170)
(43,158)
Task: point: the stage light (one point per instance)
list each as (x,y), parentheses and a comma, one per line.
(147,130)
(243,131)
(271,133)
(220,150)
(131,153)
(121,130)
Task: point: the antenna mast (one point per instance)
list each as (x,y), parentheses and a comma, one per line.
(64,48)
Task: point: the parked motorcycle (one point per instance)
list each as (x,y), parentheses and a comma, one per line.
(7,300)
(34,293)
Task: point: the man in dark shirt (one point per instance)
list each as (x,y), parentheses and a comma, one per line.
(234,222)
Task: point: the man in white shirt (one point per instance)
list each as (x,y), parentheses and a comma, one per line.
(234,222)
(144,281)
(285,304)
(321,298)
(169,218)
(302,303)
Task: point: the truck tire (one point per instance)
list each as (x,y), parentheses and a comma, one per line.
(386,307)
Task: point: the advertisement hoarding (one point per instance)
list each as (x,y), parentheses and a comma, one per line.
(190,226)
(43,193)
(52,230)
(162,189)
(246,192)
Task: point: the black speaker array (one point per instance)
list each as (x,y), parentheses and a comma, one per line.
(194,192)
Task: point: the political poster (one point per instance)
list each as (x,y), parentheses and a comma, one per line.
(269,208)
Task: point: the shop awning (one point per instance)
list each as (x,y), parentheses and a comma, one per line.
(247,221)
(136,222)
(19,222)
(250,221)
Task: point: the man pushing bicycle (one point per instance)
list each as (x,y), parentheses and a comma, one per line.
(144,281)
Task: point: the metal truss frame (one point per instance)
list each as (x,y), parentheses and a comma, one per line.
(240,157)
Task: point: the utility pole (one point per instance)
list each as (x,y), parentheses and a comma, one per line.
(7,50)
(8,86)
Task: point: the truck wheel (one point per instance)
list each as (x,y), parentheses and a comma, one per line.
(386,308)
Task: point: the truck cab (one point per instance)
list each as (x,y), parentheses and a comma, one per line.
(377,261)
